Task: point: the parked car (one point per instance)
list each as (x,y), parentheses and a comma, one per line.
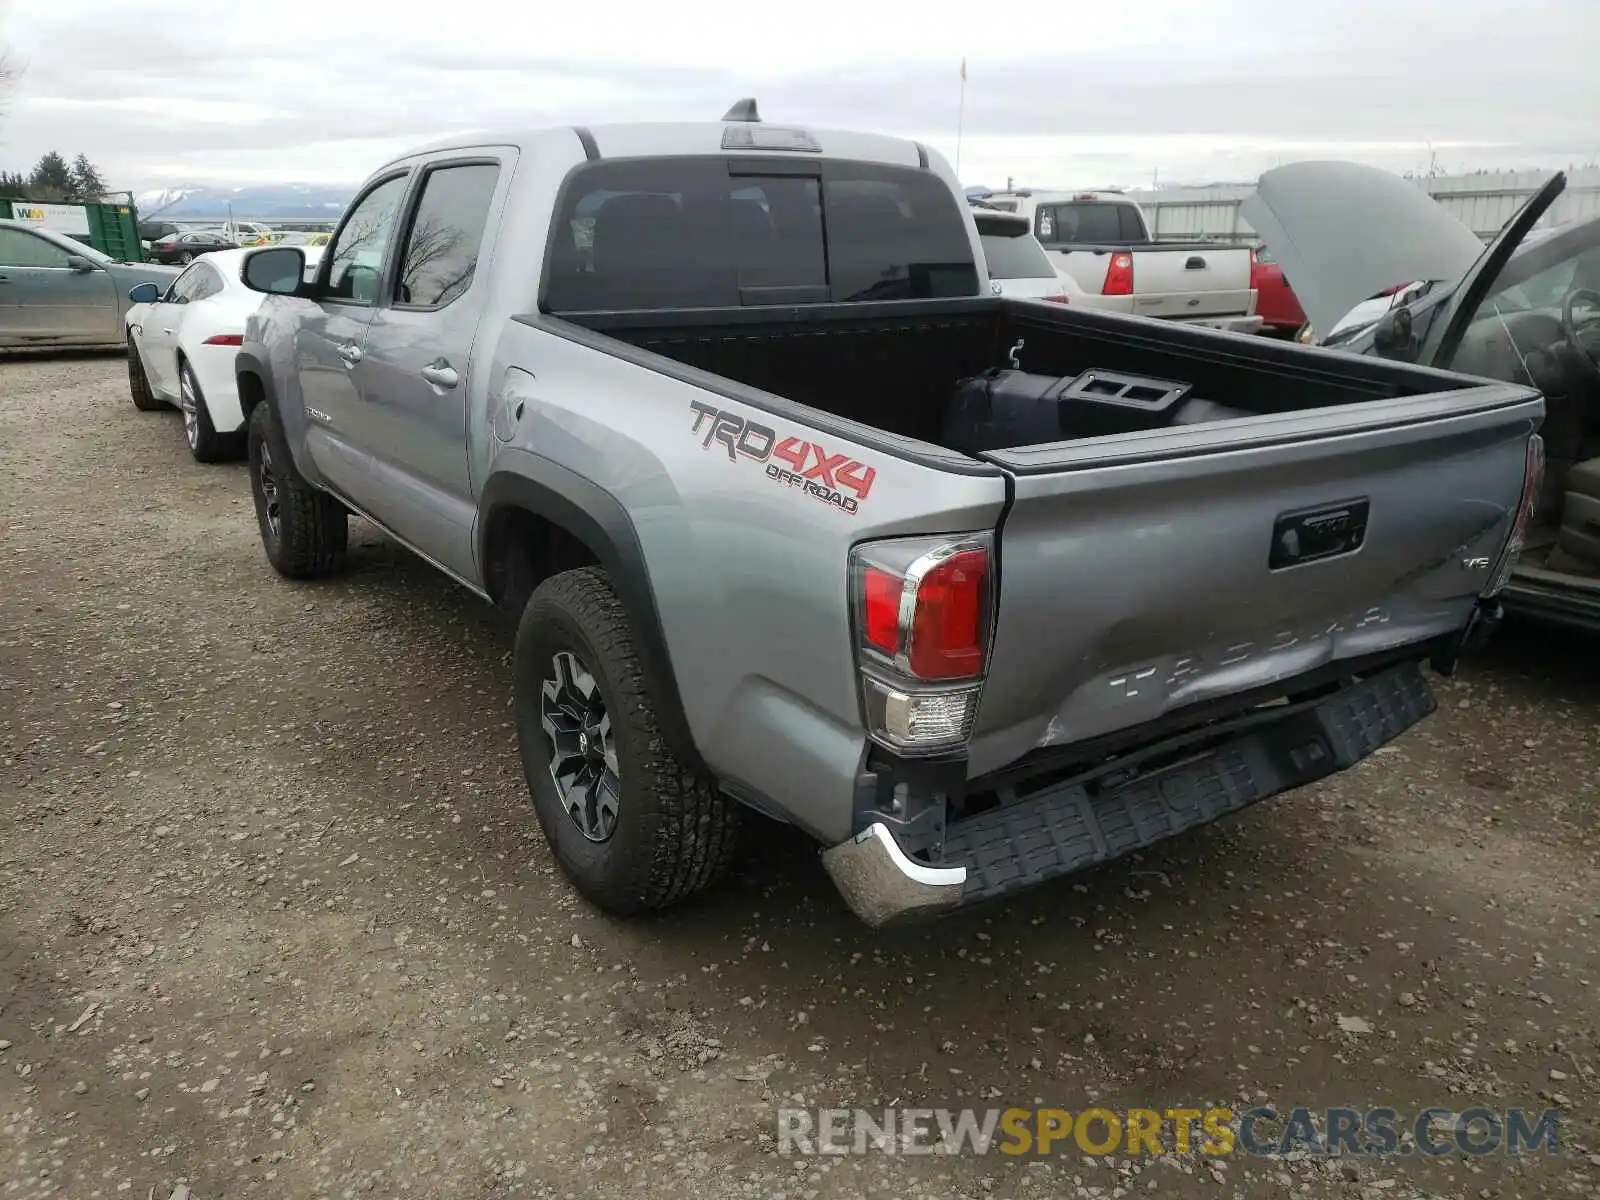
(296,238)
(1525,310)
(154,231)
(1276,305)
(55,291)
(184,248)
(1018,265)
(783,530)
(181,347)
(1101,240)
(247,233)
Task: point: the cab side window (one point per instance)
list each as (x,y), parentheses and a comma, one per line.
(19,248)
(446,234)
(356,259)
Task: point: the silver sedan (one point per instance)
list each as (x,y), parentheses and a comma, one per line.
(55,291)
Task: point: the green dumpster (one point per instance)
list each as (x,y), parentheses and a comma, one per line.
(112,228)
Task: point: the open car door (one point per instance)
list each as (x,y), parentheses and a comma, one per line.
(1450,324)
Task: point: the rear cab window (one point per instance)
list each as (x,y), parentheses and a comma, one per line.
(713,232)
(1091,222)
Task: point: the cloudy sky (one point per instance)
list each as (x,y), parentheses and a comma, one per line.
(1080,92)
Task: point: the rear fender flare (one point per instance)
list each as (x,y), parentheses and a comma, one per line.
(597,518)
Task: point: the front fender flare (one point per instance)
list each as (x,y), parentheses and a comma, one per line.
(596,517)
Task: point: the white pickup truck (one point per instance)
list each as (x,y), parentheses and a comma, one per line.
(1101,240)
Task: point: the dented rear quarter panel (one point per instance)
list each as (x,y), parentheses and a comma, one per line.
(748,569)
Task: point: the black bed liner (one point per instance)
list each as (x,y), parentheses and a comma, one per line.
(881,373)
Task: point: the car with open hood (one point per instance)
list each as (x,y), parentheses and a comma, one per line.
(1526,310)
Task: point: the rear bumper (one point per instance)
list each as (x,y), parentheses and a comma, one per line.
(1231,324)
(881,883)
(1041,830)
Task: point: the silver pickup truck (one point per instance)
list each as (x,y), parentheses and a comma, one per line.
(796,516)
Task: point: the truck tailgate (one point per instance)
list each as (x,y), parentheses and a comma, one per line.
(1191,281)
(1171,281)
(1143,573)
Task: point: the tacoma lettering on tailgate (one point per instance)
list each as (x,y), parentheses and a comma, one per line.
(1187,667)
(806,465)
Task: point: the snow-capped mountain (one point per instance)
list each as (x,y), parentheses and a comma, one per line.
(260,202)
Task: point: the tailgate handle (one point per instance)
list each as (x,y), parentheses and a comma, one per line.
(1309,535)
(1195,263)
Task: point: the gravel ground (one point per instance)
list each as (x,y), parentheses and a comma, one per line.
(275,918)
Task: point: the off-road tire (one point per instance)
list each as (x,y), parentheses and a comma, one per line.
(676,834)
(313,529)
(208,446)
(139,383)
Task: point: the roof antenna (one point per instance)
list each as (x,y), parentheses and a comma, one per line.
(744,110)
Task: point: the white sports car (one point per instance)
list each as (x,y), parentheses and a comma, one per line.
(181,347)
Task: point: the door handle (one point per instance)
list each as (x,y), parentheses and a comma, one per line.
(441,374)
(350,353)
(166,331)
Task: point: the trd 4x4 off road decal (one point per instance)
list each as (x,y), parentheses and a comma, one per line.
(807,466)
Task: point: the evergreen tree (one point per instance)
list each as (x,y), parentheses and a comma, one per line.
(87,186)
(13,186)
(51,179)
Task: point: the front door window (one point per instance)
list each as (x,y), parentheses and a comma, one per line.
(356,263)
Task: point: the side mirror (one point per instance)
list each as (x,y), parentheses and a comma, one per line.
(275,270)
(144,293)
(1392,337)
(79,263)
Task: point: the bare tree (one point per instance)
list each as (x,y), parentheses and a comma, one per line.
(431,267)
(10,72)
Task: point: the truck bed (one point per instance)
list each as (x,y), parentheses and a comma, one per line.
(1355,507)
(895,368)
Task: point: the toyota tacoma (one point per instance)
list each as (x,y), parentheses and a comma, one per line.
(796,516)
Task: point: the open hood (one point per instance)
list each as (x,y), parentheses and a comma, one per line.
(1344,232)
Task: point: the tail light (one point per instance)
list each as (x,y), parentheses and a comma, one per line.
(1255,270)
(924,615)
(1119,276)
(1532,484)
(225,339)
